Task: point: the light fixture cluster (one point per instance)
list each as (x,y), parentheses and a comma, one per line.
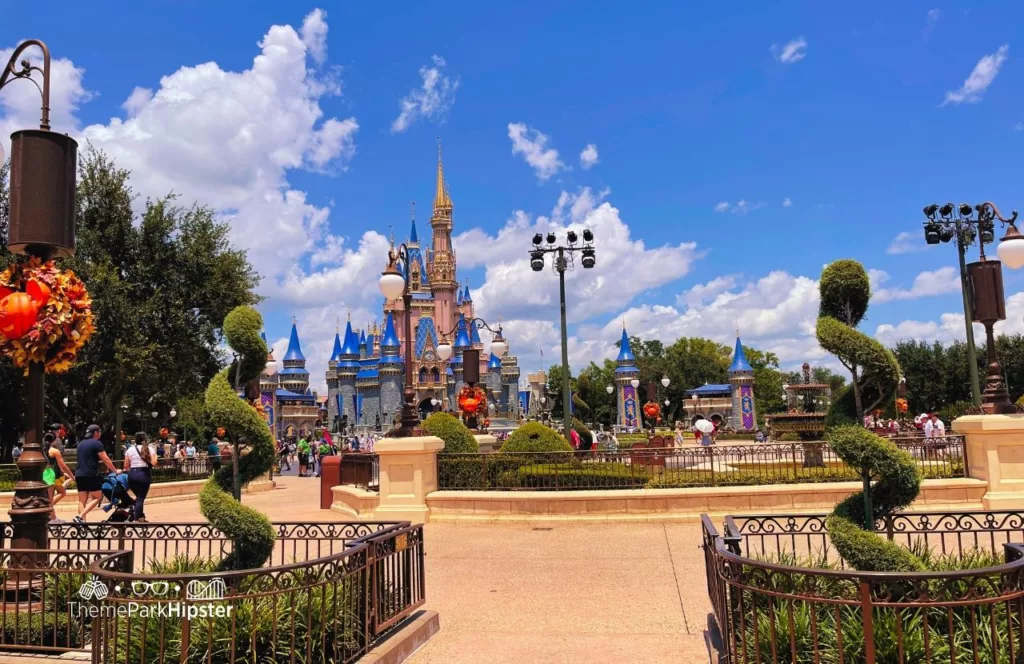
(544,244)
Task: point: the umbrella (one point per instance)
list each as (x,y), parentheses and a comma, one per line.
(704,426)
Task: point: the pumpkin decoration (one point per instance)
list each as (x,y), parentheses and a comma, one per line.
(164,432)
(901,405)
(652,410)
(220,432)
(471,400)
(18,312)
(45,315)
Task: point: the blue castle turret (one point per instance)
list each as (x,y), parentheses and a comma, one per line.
(390,370)
(294,376)
(461,344)
(493,379)
(346,369)
(627,399)
(741,388)
(332,378)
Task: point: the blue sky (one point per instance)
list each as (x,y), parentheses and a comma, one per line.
(838,110)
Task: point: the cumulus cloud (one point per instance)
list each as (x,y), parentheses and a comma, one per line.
(701,293)
(531,144)
(217,137)
(931,20)
(589,157)
(787,202)
(926,284)
(432,100)
(982,76)
(905,243)
(741,206)
(793,51)
(950,326)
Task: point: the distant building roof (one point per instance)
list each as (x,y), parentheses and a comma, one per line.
(294,351)
(294,396)
(711,389)
(739,359)
(625,351)
(336,352)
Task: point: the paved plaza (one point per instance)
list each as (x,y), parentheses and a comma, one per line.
(540,593)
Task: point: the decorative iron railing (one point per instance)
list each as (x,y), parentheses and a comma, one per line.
(780,593)
(673,467)
(329,592)
(361,469)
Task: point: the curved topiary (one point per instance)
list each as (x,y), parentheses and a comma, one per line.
(250,531)
(898,482)
(457,438)
(845,293)
(535,437)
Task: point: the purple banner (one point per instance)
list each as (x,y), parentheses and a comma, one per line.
(747,407)
(629,406)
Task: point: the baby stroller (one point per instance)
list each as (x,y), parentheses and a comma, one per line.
(115,490)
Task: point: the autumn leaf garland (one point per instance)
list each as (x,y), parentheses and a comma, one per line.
(63,322)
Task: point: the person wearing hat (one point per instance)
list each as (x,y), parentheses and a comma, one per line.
(91,454)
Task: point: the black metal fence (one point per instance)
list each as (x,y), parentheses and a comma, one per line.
(780,592)
(166,470)
(361,469)
(151,593)
(668,467)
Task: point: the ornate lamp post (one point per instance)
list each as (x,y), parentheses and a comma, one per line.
(958,223)
(471,357)
(564,260)
(393,285)
(42,224)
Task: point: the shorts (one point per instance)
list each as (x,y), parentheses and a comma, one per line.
(88,483)
(303,459)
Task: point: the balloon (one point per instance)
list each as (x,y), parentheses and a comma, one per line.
(38,291)
(18,313)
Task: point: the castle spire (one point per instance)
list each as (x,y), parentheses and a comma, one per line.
(739,359)
(442,201)
(294,351)
(413,239)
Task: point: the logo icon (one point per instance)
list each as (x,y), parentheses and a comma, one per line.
(206,590)
(93,588)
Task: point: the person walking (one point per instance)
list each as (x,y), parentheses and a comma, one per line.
(91,456)
(56,473)
(213,452)
(139,460)
(303,457)
(16,452)
(190,450)
(282,451)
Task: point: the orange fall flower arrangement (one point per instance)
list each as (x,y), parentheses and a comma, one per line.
(45,315)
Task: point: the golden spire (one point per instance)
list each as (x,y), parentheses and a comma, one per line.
(441,198)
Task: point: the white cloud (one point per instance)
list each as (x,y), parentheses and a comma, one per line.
(432,100)
(218,137)
(1018,126)
(982,76)
(787,202)
(929,283)
(950,326)
(795,50)
(932,19)
(741,207)
(589,157)
(700,293)
(314,34)
(906,243)
(531,143)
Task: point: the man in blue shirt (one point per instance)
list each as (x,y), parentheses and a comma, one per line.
(91,455)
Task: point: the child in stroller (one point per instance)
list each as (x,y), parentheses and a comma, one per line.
(115,491)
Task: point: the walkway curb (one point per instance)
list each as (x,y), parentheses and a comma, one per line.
(406,640)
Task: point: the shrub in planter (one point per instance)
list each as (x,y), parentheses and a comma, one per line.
(583,476)
(457,438)
(535,437)
(35,629)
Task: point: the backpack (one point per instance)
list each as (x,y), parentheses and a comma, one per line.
(291,448)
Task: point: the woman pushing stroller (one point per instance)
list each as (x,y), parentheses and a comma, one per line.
(139,460)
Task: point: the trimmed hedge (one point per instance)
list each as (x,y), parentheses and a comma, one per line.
(535,437)
(34,629)
(583,476)
(457,438)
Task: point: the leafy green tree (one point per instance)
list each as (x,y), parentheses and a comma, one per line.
(845,295)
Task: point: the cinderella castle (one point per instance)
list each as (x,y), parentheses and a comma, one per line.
(366,371)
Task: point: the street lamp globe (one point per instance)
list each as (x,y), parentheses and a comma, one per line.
(173,413)
(65,402)
(543,400)
(444,350)
(1011,248)
(392,284)
(694,397)
(635,383)
(155,414)
(609,389)
(665,381)
(498,344)
(667,402)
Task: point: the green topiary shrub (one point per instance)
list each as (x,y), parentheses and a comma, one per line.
(457,438)
(898,482)
(250,530)
(845,293)
(585,476)
(535,437)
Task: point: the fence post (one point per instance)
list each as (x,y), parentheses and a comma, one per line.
(711,455)
(868,622)
(792,451)
(483,466)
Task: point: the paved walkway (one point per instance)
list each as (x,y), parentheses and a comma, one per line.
(545,593)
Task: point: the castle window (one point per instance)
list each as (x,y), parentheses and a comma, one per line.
(423,374)
(435,375)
